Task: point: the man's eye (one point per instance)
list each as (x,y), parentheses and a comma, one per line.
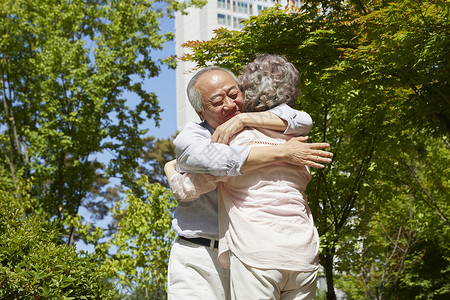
(217,102)
(234,95)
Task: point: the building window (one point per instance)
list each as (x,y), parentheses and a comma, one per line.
(242,7)
(221,4)
(261,8)
(237,23)
(221,19)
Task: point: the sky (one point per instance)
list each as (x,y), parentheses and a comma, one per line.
(165,88)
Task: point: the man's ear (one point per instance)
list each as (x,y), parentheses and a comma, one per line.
(200,114)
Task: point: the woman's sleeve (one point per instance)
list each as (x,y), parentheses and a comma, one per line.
(190,186)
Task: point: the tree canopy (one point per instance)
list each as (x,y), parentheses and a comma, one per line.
(67,69)
(374,78)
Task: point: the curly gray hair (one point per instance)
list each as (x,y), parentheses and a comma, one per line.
(194,95)
(268,81)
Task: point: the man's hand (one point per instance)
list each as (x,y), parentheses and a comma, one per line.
(296,151)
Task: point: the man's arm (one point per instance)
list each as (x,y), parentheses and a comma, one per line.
(299,123)
(281,118)
(197,154)
(295,151)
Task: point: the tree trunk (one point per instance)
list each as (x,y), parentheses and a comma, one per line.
(327,263)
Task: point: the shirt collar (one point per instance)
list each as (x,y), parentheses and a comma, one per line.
(206,125)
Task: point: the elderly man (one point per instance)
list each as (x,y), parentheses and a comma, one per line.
(194,272)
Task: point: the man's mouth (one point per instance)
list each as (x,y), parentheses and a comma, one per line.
(229,116)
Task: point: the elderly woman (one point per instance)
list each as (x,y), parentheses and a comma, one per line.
(267,233)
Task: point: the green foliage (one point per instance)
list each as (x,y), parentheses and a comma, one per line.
(155,155)
(67,69)
(33,262)
(140,248)
(404,46)
(140,292)
(374,78)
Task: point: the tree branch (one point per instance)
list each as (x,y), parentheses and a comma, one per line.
(366,282)
(409,244)
(435,207)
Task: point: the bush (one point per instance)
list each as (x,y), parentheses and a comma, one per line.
(34,264)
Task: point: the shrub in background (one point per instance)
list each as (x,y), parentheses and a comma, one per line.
(34,264)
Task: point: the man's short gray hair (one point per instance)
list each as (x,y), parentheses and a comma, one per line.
(268,81)
(194,95)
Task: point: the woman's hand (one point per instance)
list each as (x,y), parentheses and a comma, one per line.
(227,130)
(170,168)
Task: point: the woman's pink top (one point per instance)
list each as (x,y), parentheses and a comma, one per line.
(264,217)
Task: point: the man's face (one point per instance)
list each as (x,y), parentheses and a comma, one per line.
(221,97)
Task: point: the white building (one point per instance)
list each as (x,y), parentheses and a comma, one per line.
(199,24)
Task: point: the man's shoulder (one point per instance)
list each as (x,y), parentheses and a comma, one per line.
(195,127)
(192,131)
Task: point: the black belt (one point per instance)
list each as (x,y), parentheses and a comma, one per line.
(201,241)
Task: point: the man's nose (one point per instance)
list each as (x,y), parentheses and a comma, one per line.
(229,103)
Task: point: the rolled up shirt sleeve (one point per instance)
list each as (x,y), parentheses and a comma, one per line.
(298,122)
(197,154)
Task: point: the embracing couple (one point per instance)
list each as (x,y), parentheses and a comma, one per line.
(245,230)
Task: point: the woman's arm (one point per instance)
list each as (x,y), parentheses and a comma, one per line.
(170,168)
(188,186)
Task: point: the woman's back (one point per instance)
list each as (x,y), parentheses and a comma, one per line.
(264,217)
